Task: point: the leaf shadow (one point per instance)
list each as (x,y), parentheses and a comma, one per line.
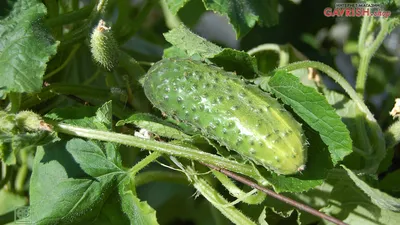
(58,152)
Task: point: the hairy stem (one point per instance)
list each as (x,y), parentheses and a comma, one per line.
(156,146)
(366,53)
(219,201)
(283,55)
(143,163)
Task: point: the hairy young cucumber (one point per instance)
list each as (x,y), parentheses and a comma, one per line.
(239,116)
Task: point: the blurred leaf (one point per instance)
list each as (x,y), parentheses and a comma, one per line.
(367,136)
(243,15)
(10,201)
(313,108)
(22,32)
(390,183)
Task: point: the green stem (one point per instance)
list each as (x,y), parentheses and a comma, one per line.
(219,202)
(22,171)
(21,178)
(65,63)
(70,17)
(363,33)
(8,172)
(92,78)
(237,192)
(336,76)
(152,145)
(171,21)
(143,163)
(366,54)
(167,176)
(283,55)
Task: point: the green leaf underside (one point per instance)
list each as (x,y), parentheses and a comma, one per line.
(25,47)
(313,108)
(379,198)
(154,125)
(137,211)
(243,15)
(351,205)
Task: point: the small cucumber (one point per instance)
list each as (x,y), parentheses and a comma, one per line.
(239,116)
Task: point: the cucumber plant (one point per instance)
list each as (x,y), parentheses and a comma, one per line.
(116,113)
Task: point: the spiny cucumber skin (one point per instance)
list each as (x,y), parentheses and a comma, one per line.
(238,116)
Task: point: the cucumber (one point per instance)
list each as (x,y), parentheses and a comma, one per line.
(224,108)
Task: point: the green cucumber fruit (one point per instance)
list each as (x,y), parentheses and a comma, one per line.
(239,116)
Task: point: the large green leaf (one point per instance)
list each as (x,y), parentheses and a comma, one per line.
(313,108)
(243,14)
(71,177)
(75,182)
(25,47)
